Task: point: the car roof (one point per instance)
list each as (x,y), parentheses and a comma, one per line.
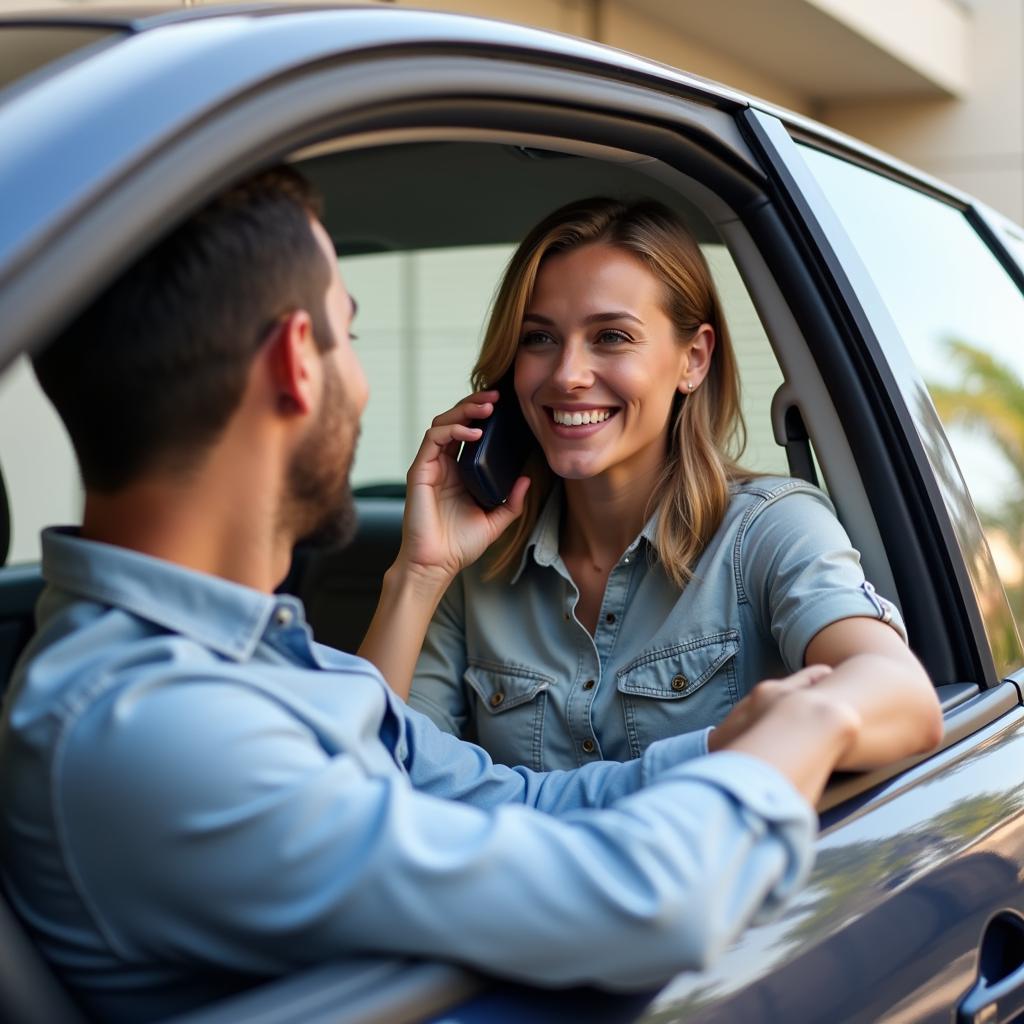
(185,62)
(134,18)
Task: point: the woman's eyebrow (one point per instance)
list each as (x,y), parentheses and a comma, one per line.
(621,314)
(594,318)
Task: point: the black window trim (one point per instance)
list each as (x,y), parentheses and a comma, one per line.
(924,519)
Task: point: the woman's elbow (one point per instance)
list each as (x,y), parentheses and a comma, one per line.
(925,711)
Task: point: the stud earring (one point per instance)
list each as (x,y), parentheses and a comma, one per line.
(689,385)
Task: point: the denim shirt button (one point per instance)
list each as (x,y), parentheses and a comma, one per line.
(588,746)
(589,684)
(283,616)
(497,699)
(679,683)
(610,618)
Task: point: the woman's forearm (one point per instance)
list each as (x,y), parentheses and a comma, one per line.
(897,706)
(408,599)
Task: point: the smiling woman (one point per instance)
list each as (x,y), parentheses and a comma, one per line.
(651,581)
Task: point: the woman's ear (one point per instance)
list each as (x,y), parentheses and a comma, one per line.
(698,352)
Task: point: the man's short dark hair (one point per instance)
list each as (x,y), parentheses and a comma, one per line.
(151,372)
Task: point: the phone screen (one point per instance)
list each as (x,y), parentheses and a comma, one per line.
(490,466)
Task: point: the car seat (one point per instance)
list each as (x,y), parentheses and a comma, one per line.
(29,990)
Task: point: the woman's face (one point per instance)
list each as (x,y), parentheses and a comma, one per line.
(599,364)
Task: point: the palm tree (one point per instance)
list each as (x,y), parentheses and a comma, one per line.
(990,399)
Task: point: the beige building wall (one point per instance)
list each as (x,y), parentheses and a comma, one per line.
(975,142)
(937,83)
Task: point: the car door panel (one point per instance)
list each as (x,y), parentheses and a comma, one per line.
(897,903)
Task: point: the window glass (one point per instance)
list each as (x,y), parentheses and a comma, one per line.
(419,328)
(37,462)
(961,318)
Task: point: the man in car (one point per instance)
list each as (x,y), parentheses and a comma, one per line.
(197,794)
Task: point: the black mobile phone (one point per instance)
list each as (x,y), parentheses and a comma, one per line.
(489,467)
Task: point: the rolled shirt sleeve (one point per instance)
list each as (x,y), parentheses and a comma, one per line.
(801,573)
(209,826)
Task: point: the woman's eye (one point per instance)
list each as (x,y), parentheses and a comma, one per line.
(611,337)
(535,338)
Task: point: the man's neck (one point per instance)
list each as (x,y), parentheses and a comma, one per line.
(198,525)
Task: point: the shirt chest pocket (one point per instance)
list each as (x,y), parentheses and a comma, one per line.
(679,688)
(509,705)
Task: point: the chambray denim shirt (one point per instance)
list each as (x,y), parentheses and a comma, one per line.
(194,793)
(508,664)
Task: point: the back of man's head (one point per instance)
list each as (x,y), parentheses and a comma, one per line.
(148,376)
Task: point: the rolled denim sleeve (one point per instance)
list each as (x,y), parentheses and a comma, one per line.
(438,691)
(801,573)
(233,838)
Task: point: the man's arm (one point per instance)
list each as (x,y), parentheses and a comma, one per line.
(235,839)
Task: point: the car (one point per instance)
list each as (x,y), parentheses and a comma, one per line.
(878,316)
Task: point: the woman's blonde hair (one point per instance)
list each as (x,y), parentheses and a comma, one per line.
(708,433)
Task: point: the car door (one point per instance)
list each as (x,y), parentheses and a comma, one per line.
(913,863)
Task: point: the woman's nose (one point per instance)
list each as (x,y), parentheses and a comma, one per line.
(573,369)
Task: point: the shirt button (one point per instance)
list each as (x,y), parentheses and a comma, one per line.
(610,618)
(497,699)
(588,746)
(589,684)
(284,616)
(679,682)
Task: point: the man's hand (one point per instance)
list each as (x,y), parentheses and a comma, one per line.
(444,529)
(800,728)
(760,701)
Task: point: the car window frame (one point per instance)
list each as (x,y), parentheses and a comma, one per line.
(266,124)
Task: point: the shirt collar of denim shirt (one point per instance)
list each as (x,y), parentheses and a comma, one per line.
(543,540)
(223,616)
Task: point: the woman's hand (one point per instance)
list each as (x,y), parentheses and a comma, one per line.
(444,529)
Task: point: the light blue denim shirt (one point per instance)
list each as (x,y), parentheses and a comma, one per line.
(194,792)
(507,663)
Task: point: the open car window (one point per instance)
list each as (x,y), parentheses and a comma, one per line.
(424,231)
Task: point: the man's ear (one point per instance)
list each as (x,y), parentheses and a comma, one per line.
(293,363)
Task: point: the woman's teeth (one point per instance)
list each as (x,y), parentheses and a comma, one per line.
(577,419)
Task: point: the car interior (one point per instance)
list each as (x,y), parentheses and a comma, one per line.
(525,179)
(430,207)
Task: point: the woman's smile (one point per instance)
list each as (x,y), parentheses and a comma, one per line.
(578,421)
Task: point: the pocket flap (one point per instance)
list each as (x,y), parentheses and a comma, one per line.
(502,687)
(669,673)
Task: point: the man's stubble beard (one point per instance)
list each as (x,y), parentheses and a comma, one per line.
(321,508)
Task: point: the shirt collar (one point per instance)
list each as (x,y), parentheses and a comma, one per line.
(226,617)
(542,544)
